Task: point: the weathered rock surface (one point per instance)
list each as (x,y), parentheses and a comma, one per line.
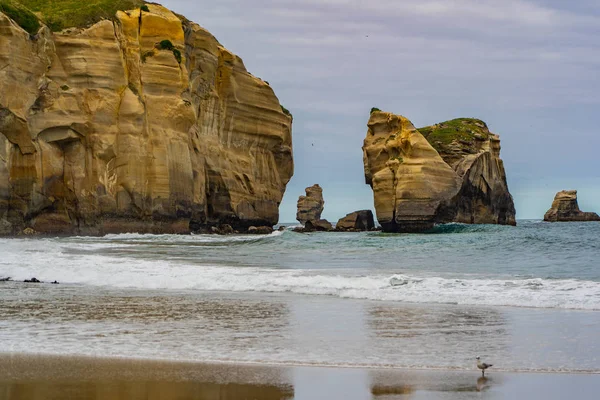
(357,221)
(416,185)
(310,206)
(260,230)
(566,209)
(104,131)
(320,225)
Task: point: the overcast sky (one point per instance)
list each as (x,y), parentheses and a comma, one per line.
(529,68)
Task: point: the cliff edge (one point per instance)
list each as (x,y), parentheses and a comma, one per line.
(142,123)
(449,172)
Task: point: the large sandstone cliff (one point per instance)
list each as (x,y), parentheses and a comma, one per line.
(455,174)
(145,123)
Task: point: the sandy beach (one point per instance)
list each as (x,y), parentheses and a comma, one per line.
(50,377)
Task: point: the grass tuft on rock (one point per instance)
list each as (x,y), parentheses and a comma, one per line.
(374,109)
(21,15)
(61,14)
(145,8)
(286,112)
(461,130)
(168,45)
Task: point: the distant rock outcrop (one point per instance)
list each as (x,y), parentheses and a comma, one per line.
(260,230)
(320,225)
(356,221)
(310,206)
(449,172)
(309,211)
(142,123)
(565,209)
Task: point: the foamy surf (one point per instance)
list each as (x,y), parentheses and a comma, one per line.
(96,270)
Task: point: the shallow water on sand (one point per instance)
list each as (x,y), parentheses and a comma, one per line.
(293,329)
(525,298)
(49,378)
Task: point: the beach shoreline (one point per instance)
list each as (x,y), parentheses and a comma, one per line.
(167,362)
(25,376)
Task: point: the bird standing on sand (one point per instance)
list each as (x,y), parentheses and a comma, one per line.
(482,366)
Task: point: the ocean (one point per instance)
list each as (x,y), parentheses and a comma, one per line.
(526,297)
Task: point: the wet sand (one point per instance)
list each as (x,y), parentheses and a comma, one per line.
(24,377)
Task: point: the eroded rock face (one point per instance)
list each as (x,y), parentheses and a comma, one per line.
(310,206)
(102,131)
(566,209)
(416,186)
(356,221)
(319,225)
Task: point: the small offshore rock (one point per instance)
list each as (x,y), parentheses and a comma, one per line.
(226,229)
(32,280)
(321,225)
(566,209)
(7,279)
(55,283)
(357,221)
(261,230)
(310,206)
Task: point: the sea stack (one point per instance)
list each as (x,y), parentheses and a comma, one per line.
(142,123)
(310,206)
(566,209)
(448,172)
(309,211)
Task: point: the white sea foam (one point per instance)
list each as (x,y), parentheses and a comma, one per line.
(99,270)
(132,237)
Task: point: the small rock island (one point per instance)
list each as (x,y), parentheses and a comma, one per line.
(310,208)
(566,209)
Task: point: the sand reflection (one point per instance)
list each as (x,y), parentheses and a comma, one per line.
(46,378)
(444,336)
(141,391)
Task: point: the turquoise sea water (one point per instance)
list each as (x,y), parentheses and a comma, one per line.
(526,296)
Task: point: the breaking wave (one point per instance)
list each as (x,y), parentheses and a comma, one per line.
(97,270)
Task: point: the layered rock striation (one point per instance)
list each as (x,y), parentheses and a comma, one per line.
(566,209)
(141,124)
(310,207)
(449,172)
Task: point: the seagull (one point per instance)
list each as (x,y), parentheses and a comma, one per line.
(482,366)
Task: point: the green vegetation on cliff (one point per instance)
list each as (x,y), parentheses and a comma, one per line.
(61,14)
(21,15)
(286,112)
(167,45)
(464,131)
